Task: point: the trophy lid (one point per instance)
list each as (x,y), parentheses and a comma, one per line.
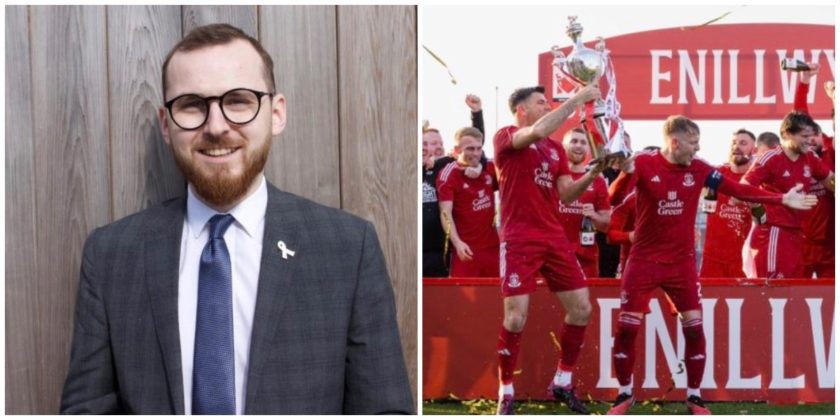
(574,30)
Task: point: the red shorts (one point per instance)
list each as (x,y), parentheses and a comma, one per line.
(641,278)
(588,264)
(555,260)
(484,263)
(778,252)
(818,257)
(719,268)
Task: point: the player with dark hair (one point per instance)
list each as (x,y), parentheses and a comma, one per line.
(534,176)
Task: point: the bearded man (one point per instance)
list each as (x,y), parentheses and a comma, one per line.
(238,298)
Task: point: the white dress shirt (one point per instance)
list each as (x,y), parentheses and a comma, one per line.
(244,242)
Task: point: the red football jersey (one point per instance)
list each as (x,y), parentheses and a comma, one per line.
(527,185)
(622,222)
(728,226)
(820,220)
(666,204)
(818,223)
(571,215)
(776,172)
(473,205)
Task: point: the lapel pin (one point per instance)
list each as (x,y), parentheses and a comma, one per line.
(286,251)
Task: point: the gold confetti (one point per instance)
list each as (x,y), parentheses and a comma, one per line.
(554,340)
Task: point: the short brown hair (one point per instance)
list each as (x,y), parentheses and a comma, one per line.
(768,139)
(744,131)
(578,130)
(468,131)
(795,122)
(679,124)
(520,95)
(219,34)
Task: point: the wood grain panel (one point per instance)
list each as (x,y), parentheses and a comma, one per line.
(243,17)
(302,43)
(143,170)
(70,94)
(378,130)
(21,305)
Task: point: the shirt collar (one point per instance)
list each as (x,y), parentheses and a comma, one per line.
(248,213)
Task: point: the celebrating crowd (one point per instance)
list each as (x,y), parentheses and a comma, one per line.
(770,214)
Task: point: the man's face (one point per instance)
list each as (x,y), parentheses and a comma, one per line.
(742,148)
(576,147)
(432,145)
(221,159)
(800,142)
(817,142)
(535,107)
(469,151)
(685,146)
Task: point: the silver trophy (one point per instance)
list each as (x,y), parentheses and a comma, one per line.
(586,66)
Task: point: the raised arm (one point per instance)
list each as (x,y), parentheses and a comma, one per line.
(550,122)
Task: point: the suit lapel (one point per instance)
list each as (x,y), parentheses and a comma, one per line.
(162,251)
(283,222)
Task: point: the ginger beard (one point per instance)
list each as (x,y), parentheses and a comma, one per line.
(216,185)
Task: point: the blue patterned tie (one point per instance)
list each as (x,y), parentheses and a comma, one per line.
(213,372)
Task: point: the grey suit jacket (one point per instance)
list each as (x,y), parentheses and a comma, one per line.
(324,339)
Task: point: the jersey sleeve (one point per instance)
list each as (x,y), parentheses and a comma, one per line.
(446,183)
(749,193)
(622,187)
(564,160)
(821,171)
(800,99)
(491,169)
(602,196)
(758,174)
(503,140)
(615,232)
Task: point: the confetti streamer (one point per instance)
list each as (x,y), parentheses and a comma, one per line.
(443,63)
(691,28)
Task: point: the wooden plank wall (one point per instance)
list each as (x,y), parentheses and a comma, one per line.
(83,146)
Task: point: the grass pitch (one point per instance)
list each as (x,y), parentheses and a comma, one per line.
(482,406)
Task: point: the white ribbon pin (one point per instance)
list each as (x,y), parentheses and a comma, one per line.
(286,251)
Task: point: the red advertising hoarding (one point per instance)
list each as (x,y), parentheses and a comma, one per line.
(765,342)
(713,72)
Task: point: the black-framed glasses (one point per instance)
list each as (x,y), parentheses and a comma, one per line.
(239,106)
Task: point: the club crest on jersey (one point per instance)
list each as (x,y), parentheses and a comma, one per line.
(513,281)
(688,181)
(554,154)
(806,171)
(488,180)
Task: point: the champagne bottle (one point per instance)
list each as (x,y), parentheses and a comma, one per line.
(587,232)
(709,204)
(792,64)
(759,214)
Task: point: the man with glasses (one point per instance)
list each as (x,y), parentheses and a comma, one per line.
(238,298)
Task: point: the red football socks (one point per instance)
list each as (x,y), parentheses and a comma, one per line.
(508,350)
(695,351)
(624,349)
(571,341)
